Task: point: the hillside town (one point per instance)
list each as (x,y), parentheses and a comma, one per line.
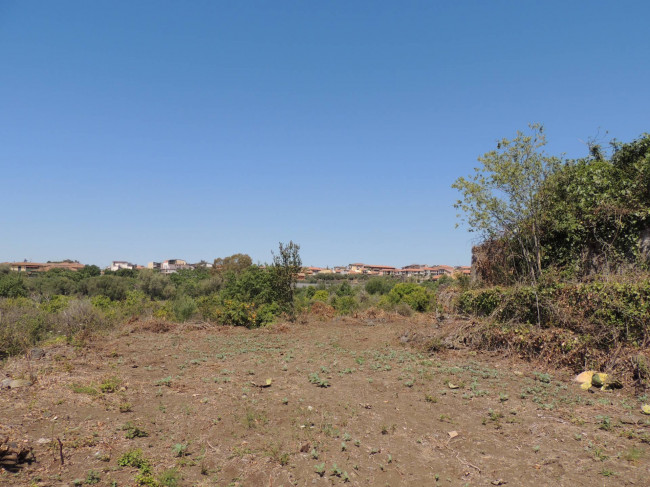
(171,266)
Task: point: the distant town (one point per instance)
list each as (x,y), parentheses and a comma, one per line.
(419,271)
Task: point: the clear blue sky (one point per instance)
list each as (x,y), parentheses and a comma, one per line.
(151,130)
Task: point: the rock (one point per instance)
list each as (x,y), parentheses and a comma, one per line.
(18,383)
(5,383)
(36,353)
(452,434)
(43,441)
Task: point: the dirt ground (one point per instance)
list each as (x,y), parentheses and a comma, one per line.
(323,403)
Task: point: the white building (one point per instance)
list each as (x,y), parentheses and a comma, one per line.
(173,265)
(121,264)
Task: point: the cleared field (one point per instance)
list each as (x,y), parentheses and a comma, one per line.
(321,403)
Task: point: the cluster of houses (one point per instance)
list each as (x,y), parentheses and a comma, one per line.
(419,271)
(165,267)
(170,266)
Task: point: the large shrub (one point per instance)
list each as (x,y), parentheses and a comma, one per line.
(184,308)
(415,296)
(377,285)
(111,286)
(12,285)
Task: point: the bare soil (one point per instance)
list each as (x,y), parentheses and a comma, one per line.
(348,401)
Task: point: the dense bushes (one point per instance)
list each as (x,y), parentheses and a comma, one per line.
(24,322)
(606,311)
(591,217)
(378,285)
(386,293)
(12,286)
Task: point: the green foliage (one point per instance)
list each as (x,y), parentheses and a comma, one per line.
(609,312)
(414,295)
(209,307)
(88,271)
(378,285)
(344,289)
(133,431)
(170,478)
(597,209)
(320,295)
(236,264)
(126,272)
(111,286)
(253,285)
(286,266)
(238,313)
(345,304)
(536,215)
(180,449)
(134,458)
(184,308)
(155,285)
(503,199)
(12,285)
(55,304)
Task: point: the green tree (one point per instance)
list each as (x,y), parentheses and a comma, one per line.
(286,266)
(598,210)
(89,271)
(503,199)
(236,263)
(12,285)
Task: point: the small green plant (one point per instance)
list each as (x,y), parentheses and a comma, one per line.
(605,423)
(253,418)
(170,478)
(134,458)
(314,378)
(166,381)
(126,407)
(133,431)
(110,384)
(430,398)
(336,471)
(599,454)
(632,455)
(92,478)
(320,469)
(180,449)
(80,389)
